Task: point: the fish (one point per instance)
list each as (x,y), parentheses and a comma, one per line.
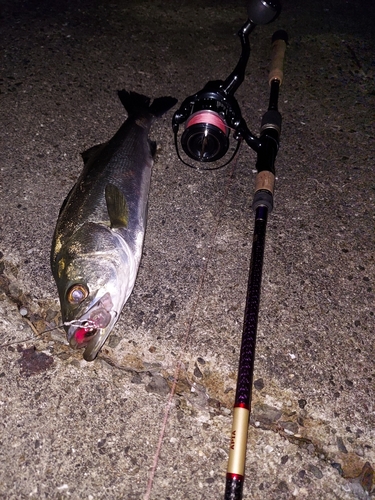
(98,239)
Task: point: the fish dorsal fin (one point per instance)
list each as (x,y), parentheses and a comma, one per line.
(91,152)
(117,207)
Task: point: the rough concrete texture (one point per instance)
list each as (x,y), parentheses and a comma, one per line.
(71,429)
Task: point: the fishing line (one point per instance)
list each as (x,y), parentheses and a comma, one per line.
(187,335)
(36,333)
(86,323)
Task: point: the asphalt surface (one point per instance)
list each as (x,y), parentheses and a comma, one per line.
(71,429)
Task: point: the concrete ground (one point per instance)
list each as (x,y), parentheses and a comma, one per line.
(71,429)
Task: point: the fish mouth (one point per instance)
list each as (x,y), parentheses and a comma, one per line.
(92,329)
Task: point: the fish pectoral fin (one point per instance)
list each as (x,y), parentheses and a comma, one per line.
(117,207)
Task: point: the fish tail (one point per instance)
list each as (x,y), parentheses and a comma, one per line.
(161,105)
(135,103)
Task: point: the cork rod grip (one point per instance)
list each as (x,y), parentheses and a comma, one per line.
(279,41)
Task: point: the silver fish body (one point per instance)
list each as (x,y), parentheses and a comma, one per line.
(98,240)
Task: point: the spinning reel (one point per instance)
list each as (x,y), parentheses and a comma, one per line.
(213,112)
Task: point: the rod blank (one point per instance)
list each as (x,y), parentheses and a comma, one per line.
(241,412)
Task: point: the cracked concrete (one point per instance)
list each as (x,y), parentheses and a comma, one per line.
(71,429)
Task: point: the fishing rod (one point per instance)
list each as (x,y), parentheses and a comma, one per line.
(262,205)
(209,116)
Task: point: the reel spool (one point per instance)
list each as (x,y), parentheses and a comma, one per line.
(205,138)
(209,117)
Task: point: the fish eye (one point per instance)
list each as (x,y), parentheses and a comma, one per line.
(77,293)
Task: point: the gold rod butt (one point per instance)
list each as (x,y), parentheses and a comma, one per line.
(238,441)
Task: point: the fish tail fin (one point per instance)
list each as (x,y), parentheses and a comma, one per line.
(161,105)
(135,103)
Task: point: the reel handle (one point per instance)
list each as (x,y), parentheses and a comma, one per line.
(263,11)
(279,42)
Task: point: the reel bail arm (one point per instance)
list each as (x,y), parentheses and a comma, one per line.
(234,80)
